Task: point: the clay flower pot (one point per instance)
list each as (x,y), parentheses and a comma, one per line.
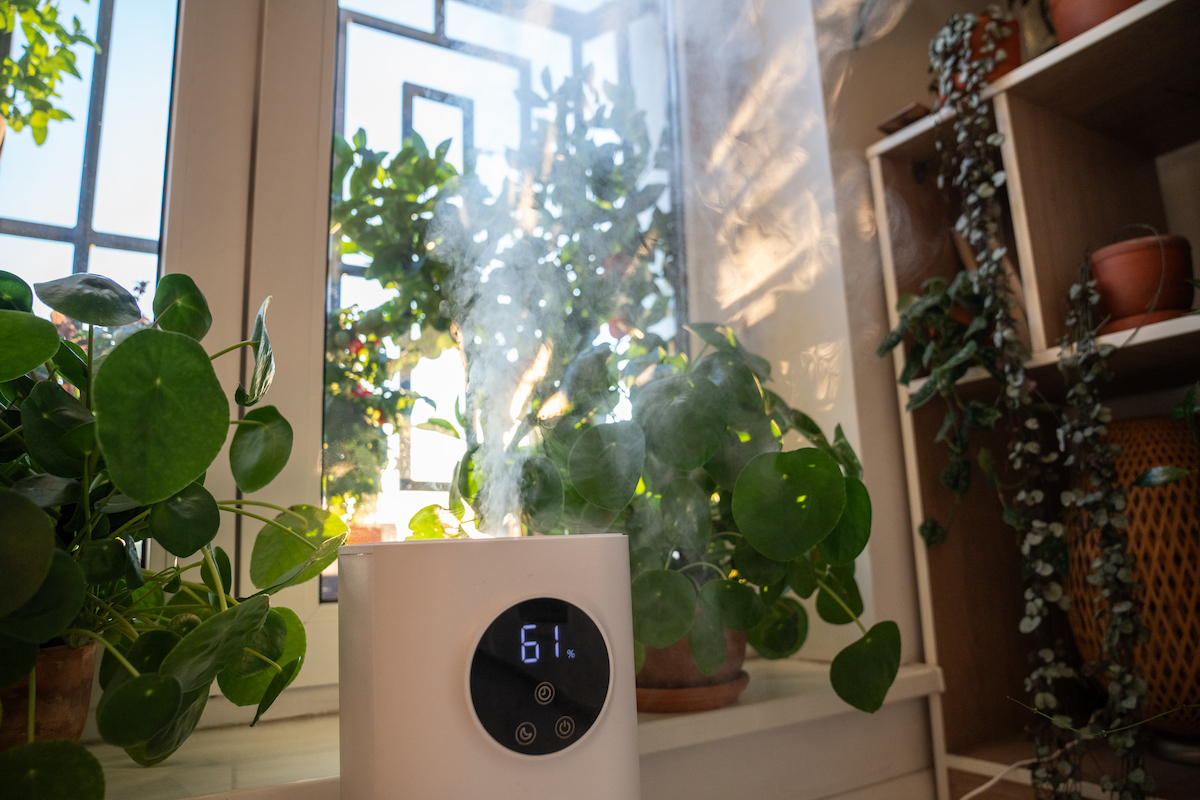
(64,690)
(1011,45)
(1073,17)
(670,683)
(1127,276)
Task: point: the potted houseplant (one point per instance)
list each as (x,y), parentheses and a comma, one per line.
(721,522)
(99,456)
(28,84)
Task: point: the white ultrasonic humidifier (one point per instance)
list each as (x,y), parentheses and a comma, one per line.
(487,669)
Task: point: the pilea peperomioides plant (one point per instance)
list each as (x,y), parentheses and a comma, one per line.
(97,459)
(722,522)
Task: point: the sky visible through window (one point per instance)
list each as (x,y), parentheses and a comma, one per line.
(42,185)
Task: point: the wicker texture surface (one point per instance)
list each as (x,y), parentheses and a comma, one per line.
(1164,538)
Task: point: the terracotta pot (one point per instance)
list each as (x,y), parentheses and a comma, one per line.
(64,690)
(1073,17)
(669,681)
(1127,276)
(1164,540)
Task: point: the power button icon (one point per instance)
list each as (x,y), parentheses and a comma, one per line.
(564,728)
(544,693)
(526,733)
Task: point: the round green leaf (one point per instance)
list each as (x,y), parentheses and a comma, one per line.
(162,744)
(102,560)
(644,558)
(684,419)
(606,464)
(137,709)
(269,641)
(17,658)
(580,516)
(645,525)
(277,552)
(263,371)
(26,550)
(161,414)
(179,306)
(829,609)
(541,493)
(864,671)
(731,604)
(782,631)
(748,436)
(47,490)
(279,682)
(260,449)
(15,294)
(664,606)
(71,362)
(53,607)
(250,690)
(800,576)
(686,515)
(785,503)
(849,537)
(706,641)
(216,643)
(734,378)
(51,769)
(185,521)
(47,416)
(26,342)
(146,654)
(90,298)
(755,567)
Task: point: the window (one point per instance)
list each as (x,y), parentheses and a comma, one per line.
(90,199)
(477,141)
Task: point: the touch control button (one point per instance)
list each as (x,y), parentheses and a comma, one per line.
(544,693)
(564,728)
(526,733)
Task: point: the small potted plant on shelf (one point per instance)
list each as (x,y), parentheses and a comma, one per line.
(97,460)
(722,522)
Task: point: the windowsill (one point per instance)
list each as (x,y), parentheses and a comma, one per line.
(299,757)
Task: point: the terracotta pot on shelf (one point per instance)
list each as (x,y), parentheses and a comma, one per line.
(1164,539)
(1073,17)
(670,683)
(64,690)
(1011,45)
(1128,274)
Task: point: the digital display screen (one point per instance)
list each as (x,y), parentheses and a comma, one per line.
(539,677)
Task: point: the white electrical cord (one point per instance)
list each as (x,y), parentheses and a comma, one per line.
(1000,776)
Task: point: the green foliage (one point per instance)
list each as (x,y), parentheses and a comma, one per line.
(51,769)
(706,556)
(29,83)
(88,476)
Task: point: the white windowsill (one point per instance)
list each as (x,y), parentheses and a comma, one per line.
(297,759)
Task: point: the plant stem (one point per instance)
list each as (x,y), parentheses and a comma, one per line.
(259,423)
(91,327)
(32,702)
(268,521)
(115,652)
(704,564)
(203,587)
(124,527)
(280,509)
(842,603)
(114,614)
(229,349)
(274,666)
(11,432)
(212,568)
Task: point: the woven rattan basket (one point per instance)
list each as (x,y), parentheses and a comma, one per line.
(1164,538)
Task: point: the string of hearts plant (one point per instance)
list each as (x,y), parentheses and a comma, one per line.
(99,458)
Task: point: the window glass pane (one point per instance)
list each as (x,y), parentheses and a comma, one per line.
(41,184)
(410,13)
(35,261)
(543,234)
(133,147)
(136,272)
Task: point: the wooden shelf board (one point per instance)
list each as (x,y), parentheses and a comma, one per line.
(912,142)
(1163,354)
(1174,781)
(1134,77)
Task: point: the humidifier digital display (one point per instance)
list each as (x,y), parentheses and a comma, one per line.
(540,676)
